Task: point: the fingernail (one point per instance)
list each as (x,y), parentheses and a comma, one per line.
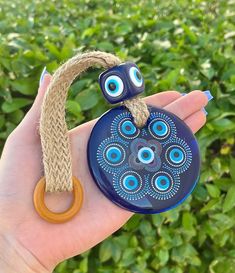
(44,72)
(208,94)
(204,111)
(183,94)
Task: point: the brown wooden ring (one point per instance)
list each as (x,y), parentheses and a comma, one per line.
(61,217)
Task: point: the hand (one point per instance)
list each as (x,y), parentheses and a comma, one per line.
(42,245)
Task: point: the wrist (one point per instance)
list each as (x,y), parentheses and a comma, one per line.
(14,258)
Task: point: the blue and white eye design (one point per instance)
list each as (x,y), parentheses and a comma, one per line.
(163,185)
(114,86)
(136,76)
(148,164)
(126,132)
(162,128)
(145,155)
(130,183)
(127,129)
(111,156)
(179,156)
(159,128)
(114,154)
(129,186)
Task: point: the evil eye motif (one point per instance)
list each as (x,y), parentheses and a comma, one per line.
(145,155)
(114,154)
(162,127)
(159,129)
(163,186)
(178,156)
(114,86)
(135,76)
(127,129)
(110,155)
(162,183)
(129,186)
(147,170)
(121,82)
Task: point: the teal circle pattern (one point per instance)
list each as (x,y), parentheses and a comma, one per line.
(164,185)
(129,185)
(146,155)
(147,162)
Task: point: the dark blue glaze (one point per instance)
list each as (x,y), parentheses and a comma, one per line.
(121,82)
(148,170)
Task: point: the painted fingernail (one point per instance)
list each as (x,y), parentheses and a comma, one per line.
(44,72)
(204,111)
(183,94)
(208,94)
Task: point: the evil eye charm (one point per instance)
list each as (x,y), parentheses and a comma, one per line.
(147,170)
(121,82)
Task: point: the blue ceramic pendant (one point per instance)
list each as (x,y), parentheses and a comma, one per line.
(148,170)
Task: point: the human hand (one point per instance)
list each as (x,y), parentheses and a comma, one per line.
(38,245)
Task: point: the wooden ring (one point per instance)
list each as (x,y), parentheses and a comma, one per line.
(61,217)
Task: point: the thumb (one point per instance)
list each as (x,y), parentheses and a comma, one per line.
(29,125)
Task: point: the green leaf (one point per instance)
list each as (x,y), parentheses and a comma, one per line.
(133,222)
(123,28)
(26,86)
(232,168)
(105,252)
(188,220)
(79,85)
(53,49)
(163,255)
(213,190)
(73,107)
(210,205)
(15,104)
(87,99)
(157,219)
(116,252)
(106,46)
(128,257)
(145,227)
(229,201)
(2,120)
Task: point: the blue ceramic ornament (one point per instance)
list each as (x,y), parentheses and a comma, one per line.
(121,82)
(144,170)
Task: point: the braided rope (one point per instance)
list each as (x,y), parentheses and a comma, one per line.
(53,129)
(138,109)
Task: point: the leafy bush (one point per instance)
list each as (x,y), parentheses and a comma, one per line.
(179,45)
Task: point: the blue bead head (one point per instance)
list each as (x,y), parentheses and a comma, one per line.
(121,82)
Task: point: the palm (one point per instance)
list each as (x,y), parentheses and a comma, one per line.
(21,167)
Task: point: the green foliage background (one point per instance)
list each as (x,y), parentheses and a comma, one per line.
(179,45)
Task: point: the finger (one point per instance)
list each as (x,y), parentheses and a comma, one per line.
(32,116)
(196,120)
(162,99)
(185,106)
(42,88)
(28,127)
(157,100)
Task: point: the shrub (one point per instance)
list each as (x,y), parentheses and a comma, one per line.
(179,45)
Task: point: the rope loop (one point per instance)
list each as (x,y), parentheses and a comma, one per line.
(53,129)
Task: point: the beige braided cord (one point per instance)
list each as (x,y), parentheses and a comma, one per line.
(53,129)
(138,109)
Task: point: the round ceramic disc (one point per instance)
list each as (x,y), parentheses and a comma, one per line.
(148,170)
